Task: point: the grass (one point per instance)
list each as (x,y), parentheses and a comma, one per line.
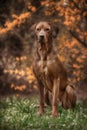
(18,113)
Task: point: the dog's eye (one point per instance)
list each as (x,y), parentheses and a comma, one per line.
(47,29)
(38,29)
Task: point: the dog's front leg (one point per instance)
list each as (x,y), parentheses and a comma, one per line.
(41,93)
(55,97)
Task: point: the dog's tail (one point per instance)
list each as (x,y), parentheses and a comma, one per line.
(69,97)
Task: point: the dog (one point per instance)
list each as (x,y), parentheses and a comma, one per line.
(50,74)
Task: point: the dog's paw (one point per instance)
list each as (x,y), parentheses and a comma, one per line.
(40,112)
(54,113)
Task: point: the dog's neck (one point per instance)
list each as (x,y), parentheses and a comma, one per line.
(44,52)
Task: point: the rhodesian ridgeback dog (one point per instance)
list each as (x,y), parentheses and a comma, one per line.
(49,71)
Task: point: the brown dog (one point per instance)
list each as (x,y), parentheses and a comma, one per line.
(49,71)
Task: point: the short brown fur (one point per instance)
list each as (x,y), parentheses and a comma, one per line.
(49,71)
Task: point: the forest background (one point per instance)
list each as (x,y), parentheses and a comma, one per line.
(16,43)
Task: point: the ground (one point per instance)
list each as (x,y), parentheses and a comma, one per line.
(20,113)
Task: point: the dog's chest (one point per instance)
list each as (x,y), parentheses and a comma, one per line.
(41,65)
(42,69)
(44,74)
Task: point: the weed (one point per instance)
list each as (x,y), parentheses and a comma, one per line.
(21,114)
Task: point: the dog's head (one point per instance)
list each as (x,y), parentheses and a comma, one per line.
(44,31)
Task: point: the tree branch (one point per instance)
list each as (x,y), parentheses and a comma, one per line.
(76,36)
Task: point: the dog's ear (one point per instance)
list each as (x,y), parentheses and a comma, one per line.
(55,31)
(32,29)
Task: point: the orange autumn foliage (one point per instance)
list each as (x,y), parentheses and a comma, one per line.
(76,66)
(79,60)
(20,88)
(16,22)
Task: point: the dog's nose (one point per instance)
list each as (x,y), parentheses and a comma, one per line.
(41,37)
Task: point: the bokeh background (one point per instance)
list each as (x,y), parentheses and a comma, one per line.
(16,42)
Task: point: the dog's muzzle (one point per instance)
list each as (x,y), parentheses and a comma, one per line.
(41,39)
(42,42)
